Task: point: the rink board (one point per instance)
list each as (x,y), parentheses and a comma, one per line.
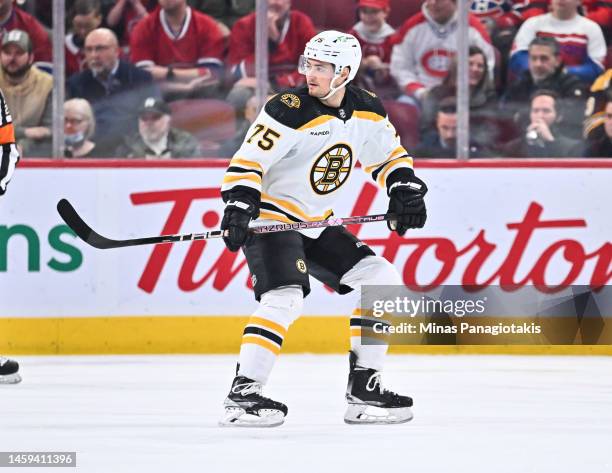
(61,296)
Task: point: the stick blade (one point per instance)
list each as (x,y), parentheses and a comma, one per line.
(83,231)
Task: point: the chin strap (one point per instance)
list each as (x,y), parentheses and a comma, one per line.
(332,89)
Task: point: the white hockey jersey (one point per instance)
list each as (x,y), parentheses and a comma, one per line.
(424,49)
(9,155)
(299,154)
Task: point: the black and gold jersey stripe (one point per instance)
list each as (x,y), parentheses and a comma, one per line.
(312,112)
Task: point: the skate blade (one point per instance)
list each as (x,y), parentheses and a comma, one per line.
(372,415)
(237,417)
(10,378)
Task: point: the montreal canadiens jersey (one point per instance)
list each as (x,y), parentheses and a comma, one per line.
(300,154)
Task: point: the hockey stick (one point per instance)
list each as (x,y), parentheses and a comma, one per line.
(89,236)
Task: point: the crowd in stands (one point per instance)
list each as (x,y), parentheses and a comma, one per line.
(145,77)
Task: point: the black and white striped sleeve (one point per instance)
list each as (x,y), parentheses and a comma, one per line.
(9,155)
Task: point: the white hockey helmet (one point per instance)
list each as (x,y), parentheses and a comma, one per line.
(340,49)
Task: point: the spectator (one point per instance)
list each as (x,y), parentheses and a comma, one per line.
(182,48)
(596,103)
(288,33)
(545,71)
(86,17)
(602,146)
(115,88)
(375,36)
(443,142)
(501,19)
(497,15)
(28,92)
(79,128)
(426,44)
(125,14)
(224,11)
(542,138)
(596,10)
(229,148)
(13,18)
(583,47)
(482,93)
(156,138)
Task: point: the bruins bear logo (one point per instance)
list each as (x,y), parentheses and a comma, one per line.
(291,101)
(331,169)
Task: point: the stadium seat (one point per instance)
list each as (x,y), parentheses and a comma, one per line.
(211,121)
(337,14)
(405,118)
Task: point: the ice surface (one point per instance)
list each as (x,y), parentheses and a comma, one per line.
(159,414)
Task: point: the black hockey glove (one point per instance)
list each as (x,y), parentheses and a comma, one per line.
(406,202)
(236,218)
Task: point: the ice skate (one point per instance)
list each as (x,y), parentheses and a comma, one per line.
(369,402)
(246,407)
(9,371)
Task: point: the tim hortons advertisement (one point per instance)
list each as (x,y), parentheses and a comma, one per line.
(508,226)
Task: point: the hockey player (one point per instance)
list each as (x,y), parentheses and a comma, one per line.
(296,160)
(9,369)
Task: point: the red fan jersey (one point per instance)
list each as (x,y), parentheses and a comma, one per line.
(75,57)
(20,20)
(296,32)
(199,42)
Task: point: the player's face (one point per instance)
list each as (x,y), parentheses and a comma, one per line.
(319,75)
(441,10)
(153,126)
(14,60)
(372,18)
(101,52)
(476,69)
(608,120)
(447,127)
(82,25)
(543,110)
(542,62)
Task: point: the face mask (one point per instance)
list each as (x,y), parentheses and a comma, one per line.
(74,140)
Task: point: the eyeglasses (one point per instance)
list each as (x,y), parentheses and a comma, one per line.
(73,121)
(98,49)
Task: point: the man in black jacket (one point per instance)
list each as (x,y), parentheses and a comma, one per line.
(542,137)
(115,88)
(546,71)
(442,143)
